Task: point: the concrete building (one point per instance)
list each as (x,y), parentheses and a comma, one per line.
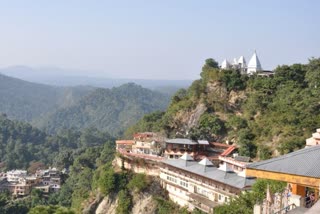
(300,169)
(147,143)
(19,184)
(50,180)
(200,184)
(21,187)
(314,140)
(124,145)
(175,148)
(15,175)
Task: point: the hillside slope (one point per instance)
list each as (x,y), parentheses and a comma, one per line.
(26,101)
(112,110)
(263,115)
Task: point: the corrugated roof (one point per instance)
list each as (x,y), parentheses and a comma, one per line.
(303,162)
(203,142)
(124,141)
(213,173)
(182,141)
(242,158)
(228,151)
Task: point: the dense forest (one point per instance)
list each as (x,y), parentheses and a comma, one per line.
(22,146)
(56,108)
(111,110)
(264,115)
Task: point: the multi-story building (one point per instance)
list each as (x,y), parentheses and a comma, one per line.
(146,143)
(20,187)
(124,145)
(50,180)
(19,184)
(175,148)
(15,175)
(200,184)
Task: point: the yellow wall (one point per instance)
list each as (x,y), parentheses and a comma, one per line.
(295,179)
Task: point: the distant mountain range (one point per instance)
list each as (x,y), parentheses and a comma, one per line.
(61,77)
(26,101)
(54,108)
(111,110)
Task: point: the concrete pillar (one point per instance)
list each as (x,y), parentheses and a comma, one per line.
(316,194)
(257,209)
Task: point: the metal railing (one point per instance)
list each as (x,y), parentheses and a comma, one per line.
(285,209)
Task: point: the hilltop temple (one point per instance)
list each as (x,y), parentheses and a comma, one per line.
(254,65)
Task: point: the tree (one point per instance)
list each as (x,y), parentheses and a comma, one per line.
(50,210)
(232,80)
(138,182)
(260,187)
(124,202)
(37,197)
(209,127)
(107,181)
(212,63)
(313,73)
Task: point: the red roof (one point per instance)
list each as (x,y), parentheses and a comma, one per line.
(125,142)
(143,135)
(228,151)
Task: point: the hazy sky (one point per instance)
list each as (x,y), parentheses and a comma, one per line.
(164,39)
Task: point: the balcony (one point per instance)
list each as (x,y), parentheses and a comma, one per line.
(202,202)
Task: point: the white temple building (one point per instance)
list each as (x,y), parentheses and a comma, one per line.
(254,65)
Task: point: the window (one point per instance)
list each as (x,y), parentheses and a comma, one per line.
(172,179)
(184,183)
(220,197)
(202,192)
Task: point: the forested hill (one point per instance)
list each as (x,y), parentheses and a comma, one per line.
(263,115)
(112,110)
(22,145)
(26,101)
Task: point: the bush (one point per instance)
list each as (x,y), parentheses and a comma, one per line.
(124,202)
(138,182)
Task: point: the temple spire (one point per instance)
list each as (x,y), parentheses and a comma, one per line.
(254,64)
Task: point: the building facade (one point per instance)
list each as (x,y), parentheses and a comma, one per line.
(199,184)
(314,140)
(19,184)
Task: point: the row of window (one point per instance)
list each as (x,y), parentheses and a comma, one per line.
(174,179)
(184,183)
